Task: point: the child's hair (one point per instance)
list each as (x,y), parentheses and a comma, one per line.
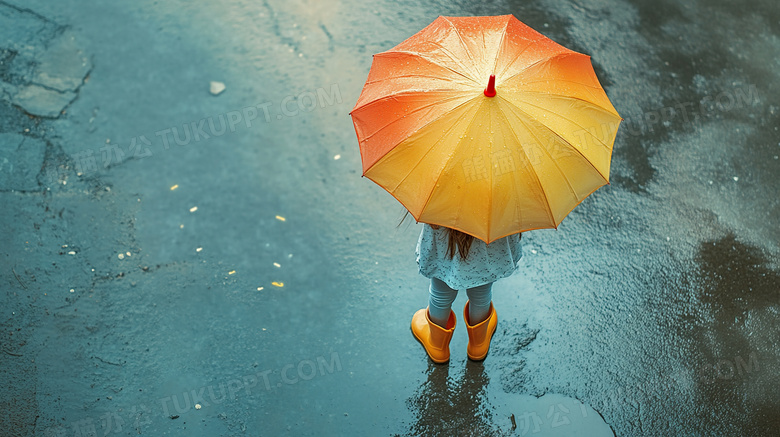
(460,240)
(455,240)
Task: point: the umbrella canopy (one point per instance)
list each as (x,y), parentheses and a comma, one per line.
(483,125)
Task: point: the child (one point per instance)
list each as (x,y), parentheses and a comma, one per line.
(454,261)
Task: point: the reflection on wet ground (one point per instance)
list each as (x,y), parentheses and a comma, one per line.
(452,406)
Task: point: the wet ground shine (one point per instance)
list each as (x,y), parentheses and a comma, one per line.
(175,262)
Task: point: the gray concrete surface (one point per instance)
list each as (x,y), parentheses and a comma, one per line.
(652,310)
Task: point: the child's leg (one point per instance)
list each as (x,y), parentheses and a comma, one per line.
(440,301)
(479,302)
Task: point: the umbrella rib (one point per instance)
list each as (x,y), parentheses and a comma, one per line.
(563,80)
(425,205)
(463,43)
(367,137)
(429,149)
(420,55)
(453,57)
(403,75)
(560,137)
(418,130)
(565,118)
(566,178)
(595,105)
(492,175)
(517,56)
(500,44)
(518,210)
(484,46)
(433,62)
(557,55)
(536,177)
(398,94)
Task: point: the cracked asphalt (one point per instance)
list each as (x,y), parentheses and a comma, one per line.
(179,262)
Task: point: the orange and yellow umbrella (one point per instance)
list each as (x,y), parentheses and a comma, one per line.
(483,125)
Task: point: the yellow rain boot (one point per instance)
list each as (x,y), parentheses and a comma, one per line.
(480,334)
(434,338)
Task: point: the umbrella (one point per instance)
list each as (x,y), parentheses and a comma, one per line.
(483,125)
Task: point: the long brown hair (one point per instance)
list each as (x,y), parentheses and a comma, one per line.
(456,240)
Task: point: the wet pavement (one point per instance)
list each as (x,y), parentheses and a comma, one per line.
(176,262)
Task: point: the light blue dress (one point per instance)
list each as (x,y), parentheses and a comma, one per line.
(485,262)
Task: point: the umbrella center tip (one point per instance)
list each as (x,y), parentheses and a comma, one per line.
(490,91)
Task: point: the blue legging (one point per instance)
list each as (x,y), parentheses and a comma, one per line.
(442,296)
